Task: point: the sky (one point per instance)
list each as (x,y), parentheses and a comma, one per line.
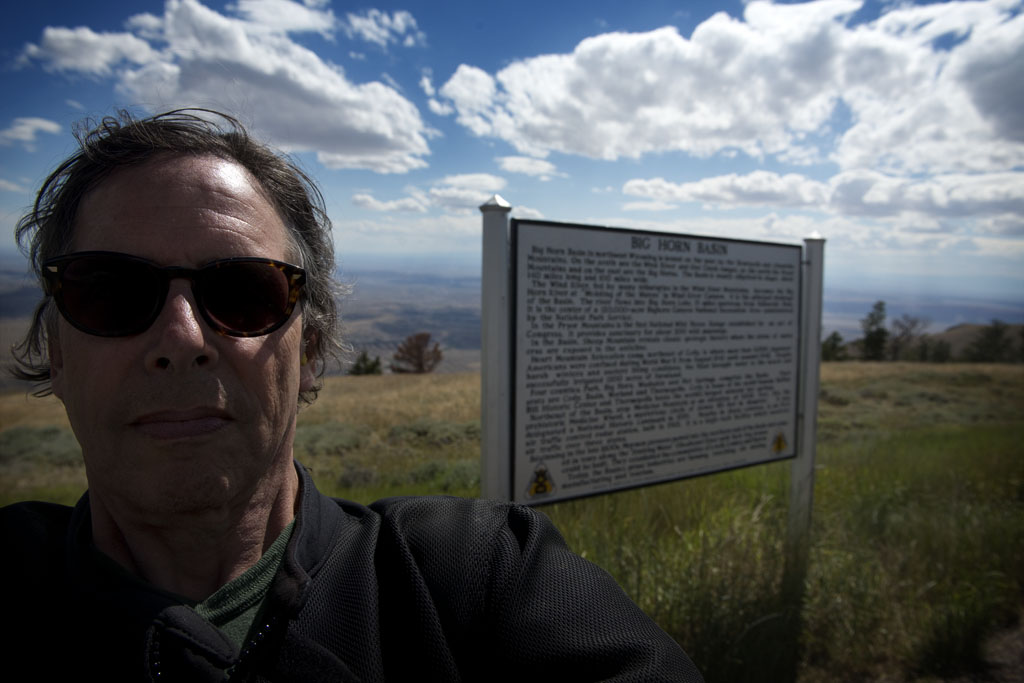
(893,129)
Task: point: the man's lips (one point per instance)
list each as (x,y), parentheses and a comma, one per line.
(181,424)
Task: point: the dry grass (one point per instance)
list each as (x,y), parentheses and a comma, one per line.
(918,535)
(380,401)
(18,408)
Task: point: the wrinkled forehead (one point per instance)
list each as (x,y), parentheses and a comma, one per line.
(167,201)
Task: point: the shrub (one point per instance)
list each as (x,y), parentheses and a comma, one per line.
(365,366)
(39,445)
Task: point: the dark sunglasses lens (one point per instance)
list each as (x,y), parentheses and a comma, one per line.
(245,297)
(110,296)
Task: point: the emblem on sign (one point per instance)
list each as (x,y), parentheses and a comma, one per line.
(542,483)
(779,443)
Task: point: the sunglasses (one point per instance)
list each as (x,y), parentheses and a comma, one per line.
(108,294)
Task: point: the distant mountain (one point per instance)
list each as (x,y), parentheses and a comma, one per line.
(844,309)
(388,303)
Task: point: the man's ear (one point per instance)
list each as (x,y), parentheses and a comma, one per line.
(56,364)
(307,362)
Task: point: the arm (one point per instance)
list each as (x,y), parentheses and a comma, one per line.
(497,595)
(566,617)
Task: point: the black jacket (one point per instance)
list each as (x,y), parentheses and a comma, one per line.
(407,589)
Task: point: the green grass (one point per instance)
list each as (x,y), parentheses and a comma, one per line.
(917,544)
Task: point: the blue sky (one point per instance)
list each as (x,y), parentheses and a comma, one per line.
(895,130)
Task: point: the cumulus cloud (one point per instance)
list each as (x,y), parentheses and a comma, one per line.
(249,65)
(544,170)
(86,51)
(287,16)
(526,212)
(440,108)
(427,83)
(416,204)
(869,193)
(459,194)
(760,188)
(23,130)
(381,28)
(465,192)
(915,204)
(798,81)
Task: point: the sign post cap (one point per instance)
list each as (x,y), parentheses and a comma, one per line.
(496,203)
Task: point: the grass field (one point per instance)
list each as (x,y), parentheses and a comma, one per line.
(917,551)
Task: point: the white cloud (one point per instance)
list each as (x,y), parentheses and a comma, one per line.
(485,182)
(23,131)
(526,212)
(869,193)
(414,204)
(83,50)
(988,202)
(460,194)
(426,83)
(439,108)
(286,16)
(1009,224)
(381,28)
(472,92)
(545,170)
(760,188)
(465,192)
(770,84)
(281,89)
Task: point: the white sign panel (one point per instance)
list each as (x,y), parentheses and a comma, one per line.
(646,357)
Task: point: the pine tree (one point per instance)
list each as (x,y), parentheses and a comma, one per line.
(365,366)
(992,345)
(875,334)
(832,348)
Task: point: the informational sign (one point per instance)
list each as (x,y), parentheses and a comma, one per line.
(646,357)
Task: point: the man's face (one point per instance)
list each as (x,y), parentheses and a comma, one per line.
(179,417)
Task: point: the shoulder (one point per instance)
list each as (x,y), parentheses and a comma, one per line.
(466,527)
(441,514)
(37,534)
(34,522)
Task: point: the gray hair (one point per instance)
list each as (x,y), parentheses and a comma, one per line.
(117,142)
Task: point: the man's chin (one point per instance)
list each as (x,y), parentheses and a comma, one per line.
(160,496)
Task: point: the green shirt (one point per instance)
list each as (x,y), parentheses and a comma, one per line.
(233,607)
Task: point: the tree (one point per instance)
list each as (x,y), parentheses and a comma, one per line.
(875,334)
(992,344)
(415,354)
(940,352)
(365,366)
(905,331)
(832,348)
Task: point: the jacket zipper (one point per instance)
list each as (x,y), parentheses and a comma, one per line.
(254,642)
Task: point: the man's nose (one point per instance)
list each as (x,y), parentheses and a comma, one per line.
(181,339)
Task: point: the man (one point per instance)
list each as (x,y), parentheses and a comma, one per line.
(188,310)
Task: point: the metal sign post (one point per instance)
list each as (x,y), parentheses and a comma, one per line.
(801,477)
(495,395)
